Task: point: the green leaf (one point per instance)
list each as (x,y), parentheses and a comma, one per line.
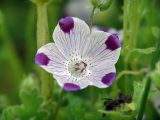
(42,115)
(156,32)
(130,106)
(155,75)
(20,112)
(8,114)
(29,82)
(117,115)
(31,99)
(138,87)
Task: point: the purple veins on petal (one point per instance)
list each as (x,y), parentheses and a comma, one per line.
(109,78)
(66,24)
(71,87)
(113,42)
(41,59)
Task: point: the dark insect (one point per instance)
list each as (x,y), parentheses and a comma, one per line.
(112,104)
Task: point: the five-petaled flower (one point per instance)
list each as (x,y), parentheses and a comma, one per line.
(78,57)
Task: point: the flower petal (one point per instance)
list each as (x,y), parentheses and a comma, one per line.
(71,84)
(113,42)
(108,78)
(98,51)
(70,36)
(103,77)
(66,24)
(71,87)
(42,59)
(51,59)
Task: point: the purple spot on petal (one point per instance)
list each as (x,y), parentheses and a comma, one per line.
(41,59)
(113,42)
(71,87)
(66,24)
(109,78)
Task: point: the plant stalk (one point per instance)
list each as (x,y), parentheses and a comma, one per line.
(42,39)
(58,104)
(90,21)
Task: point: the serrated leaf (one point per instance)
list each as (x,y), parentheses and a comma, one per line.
(42,115)
(8,114)
(31,99)
(29,82)
(20,112)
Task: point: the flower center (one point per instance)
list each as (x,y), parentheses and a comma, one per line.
(77,69)
(80,67)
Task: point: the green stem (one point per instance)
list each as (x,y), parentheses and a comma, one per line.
(131,20)
(90,21)
(42,25)
(127,72)
(58,104)
(125,40)
(42,39)
(144,99)
(125,25)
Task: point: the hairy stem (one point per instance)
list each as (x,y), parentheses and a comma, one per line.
(127,72)
(58,104)
(42,39)
(42,25)
(125,25)
(90,21)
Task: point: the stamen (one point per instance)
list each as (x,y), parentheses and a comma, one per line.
(77,68)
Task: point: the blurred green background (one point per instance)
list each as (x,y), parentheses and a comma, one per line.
(18,47)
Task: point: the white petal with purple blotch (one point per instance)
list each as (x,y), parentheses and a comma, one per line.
(70,36)
(98,50)
(55,58)
(102,77)
(67,79)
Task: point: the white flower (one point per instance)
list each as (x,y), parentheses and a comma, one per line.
(79,58)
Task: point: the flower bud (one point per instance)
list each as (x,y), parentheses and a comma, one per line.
(105,5)
(95,3)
